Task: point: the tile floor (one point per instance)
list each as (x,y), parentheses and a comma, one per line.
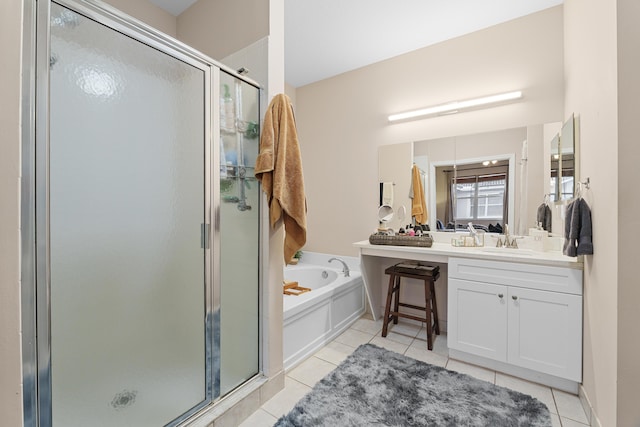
(410,340)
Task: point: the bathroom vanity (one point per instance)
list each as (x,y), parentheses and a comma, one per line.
(511,310)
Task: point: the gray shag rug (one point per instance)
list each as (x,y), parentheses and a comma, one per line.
(377,387)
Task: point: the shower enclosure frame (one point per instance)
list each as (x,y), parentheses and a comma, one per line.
(35,257)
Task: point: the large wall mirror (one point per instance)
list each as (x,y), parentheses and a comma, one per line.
(473,178)
(490,178)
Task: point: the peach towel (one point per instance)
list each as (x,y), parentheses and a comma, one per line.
(279,168)
(418,205)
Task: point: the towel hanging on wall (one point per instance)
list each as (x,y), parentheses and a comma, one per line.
(577,229)
(279,168)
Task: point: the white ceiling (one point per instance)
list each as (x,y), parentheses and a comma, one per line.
(324,38)
(174,7)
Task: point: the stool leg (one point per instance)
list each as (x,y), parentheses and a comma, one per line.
(427,309)
(396,305)
(387,306)
(434,307)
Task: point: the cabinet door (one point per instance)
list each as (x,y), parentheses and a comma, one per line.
(545,332)
(477,318)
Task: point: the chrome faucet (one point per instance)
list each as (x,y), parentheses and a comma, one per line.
(509,240)
(345,267)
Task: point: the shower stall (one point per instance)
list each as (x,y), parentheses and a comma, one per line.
(142,221)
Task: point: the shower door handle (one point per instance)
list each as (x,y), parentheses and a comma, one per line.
(204,236)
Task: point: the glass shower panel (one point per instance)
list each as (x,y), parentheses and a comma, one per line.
(127,200)
(239,233)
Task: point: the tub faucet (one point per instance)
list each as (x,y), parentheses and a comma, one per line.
(345,267)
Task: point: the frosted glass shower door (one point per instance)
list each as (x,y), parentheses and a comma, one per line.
(127,198)
(239,233)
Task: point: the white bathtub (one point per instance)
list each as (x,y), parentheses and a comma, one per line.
(314,318)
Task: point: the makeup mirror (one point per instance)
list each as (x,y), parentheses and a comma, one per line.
(401,213)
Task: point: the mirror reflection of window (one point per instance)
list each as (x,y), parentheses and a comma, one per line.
(480,198)
(562,182)
(554,189)
(567,179)
(477,193)
(563,164)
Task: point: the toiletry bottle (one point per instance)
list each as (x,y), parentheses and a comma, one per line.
(227,111)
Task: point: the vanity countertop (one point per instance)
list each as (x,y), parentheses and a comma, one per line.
(440,252)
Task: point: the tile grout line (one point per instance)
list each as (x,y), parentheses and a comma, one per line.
(414,339)
(553,396)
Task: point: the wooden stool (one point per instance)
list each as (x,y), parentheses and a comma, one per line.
(418,271)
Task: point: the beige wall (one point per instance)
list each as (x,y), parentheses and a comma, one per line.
(342,120)
(394,165)
(591,92)
(219,28)
(274,344)
(290,91)
(148,13)
(10,371)
(628,34)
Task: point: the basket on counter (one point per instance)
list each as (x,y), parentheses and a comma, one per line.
(383,239)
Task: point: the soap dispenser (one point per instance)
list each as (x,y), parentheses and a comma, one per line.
(539,236)
(227,111)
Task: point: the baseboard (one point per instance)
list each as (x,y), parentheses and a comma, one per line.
(516,371)
(234,407)
(588,408)
(272,387)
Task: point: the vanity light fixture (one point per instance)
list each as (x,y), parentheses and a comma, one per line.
(485,163)
(456,106)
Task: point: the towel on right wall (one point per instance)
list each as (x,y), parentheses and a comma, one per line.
(577,229)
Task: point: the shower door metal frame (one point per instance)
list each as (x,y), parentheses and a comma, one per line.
(112,20)
(35,292)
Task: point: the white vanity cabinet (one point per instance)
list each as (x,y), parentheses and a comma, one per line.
(518,315)
(477,318)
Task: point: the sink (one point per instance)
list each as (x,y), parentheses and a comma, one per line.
(508,251)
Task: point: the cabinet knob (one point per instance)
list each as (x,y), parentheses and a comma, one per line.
(500,295)
(514,297)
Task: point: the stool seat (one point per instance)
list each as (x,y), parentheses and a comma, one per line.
(414,270)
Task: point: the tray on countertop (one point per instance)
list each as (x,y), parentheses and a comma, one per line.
(424,241)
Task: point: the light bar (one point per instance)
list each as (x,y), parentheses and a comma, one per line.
(454,107)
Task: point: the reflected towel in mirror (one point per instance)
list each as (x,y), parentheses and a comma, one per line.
(543,217)
(387,193)
(418,204)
